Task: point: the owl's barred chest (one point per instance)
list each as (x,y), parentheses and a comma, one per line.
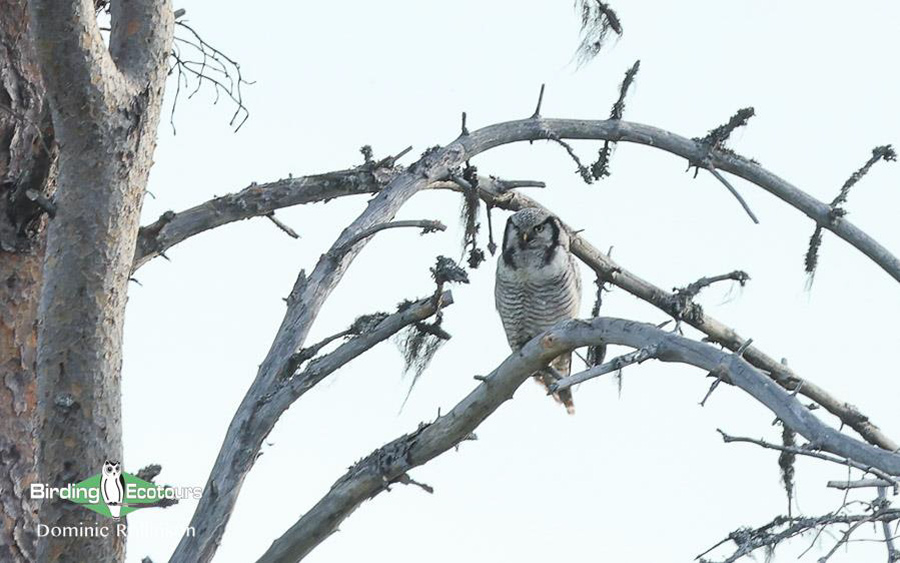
(532,298)
(536,285)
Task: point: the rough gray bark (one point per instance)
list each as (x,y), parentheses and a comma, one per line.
(390,463)
(20,279)
(105,107)
(27,174)
(255,201)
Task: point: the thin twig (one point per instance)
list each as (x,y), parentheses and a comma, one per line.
(767,536)
(405,479)
(290,232)
(389,162)
(733,191)
(582,170)
(212,62)
(853,527)
(617,363)
(426,225)
(805,451)
(694,288)
(537,110)
(721,374)
(716,138)
(858,484)
(893,554)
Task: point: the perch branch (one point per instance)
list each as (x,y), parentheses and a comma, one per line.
(389,463)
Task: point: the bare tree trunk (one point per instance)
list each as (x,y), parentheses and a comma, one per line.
(26,175)
(105,105)
(20,275)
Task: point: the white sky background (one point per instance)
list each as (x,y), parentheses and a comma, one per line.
(641,477)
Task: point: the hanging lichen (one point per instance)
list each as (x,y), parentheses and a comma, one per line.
(471,205)
(598,19)
(786,463)
(420,341)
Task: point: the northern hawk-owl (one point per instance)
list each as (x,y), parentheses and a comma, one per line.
(538,284)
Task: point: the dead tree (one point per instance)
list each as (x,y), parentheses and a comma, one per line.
(76,165)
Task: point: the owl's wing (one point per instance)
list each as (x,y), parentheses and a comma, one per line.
(576,275)
(509,299)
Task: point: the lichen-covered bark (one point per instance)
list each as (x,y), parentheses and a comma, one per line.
(105,109)
(26,173)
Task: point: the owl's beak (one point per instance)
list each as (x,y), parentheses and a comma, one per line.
(523,240)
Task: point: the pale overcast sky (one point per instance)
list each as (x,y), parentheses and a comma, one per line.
(633,478)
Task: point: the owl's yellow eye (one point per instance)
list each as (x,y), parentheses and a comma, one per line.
(539,228)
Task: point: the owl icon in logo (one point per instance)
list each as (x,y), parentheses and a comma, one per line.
(112,487)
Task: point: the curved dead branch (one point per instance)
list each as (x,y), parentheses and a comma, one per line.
(262,407)
(304,303)
(390,463)
(254,201)
(717,331)
(426,225)
(694,152)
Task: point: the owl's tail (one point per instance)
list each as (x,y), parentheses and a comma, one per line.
(563,366)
